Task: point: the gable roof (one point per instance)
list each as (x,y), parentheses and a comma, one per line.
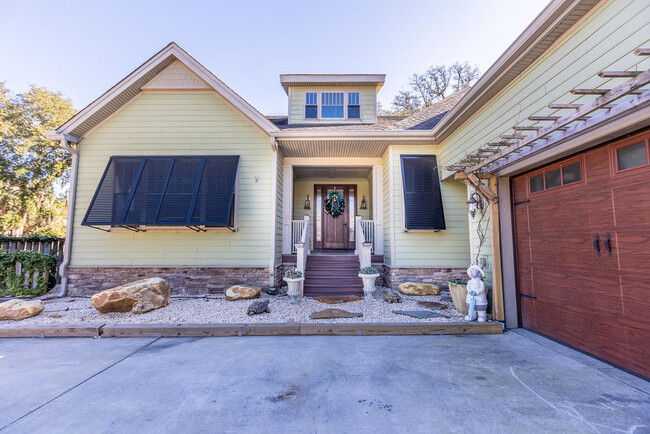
(120,94)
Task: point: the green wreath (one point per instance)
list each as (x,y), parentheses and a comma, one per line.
(334,205)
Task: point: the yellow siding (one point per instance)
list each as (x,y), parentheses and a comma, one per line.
(278,209)
(305,186)
(178,124)
(446,248)
(368,96)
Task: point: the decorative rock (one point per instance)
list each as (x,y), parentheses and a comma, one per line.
(334,313)
(336,299)
(55,315)
(240,292)
(392,297)
(418,288)
(447,298)
(258,307)
(140,296)
(420,314)
(18,310)
(270,291)
(432,305)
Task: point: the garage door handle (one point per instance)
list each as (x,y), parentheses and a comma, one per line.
(596,246)
(607,238)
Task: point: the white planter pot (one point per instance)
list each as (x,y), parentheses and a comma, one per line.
(369,285)
(294,287)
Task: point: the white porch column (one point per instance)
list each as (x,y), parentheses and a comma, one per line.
(287,208)
(378,208)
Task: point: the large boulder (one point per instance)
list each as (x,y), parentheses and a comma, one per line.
(137,297)
(17,310)
(418,288)
(241,292)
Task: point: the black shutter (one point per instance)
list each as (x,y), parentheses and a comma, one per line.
(422,197)
(165,191)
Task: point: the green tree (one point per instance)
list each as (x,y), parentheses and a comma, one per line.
(33,170)
(406,103)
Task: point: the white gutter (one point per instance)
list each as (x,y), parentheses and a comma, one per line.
(63,140)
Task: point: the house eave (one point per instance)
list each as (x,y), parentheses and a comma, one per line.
(549,26)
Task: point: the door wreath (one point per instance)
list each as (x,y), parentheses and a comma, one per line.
(334,205)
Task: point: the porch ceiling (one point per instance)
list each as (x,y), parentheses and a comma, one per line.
(331,172)
(343,147)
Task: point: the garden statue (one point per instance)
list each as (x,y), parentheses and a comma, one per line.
(476,299)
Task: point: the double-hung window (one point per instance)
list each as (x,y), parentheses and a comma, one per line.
(311,105)
(332,105)
(354,109)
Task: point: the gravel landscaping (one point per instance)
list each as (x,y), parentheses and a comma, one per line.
(217,310)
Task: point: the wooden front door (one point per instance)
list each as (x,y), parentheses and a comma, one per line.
(583,248)
(334,232)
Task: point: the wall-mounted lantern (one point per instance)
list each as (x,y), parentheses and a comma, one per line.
(474,202)
(364,205)
(307,203)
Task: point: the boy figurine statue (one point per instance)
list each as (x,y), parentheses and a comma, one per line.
(476,299)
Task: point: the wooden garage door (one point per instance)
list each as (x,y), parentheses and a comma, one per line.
(583,251)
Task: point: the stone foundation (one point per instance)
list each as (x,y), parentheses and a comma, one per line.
(436,276)
(86,281)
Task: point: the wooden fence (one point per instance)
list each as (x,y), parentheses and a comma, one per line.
(47,246)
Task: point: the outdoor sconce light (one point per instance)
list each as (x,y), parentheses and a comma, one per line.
(307,203)
(364,205)
(475,202)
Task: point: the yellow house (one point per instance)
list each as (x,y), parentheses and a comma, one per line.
(175,175)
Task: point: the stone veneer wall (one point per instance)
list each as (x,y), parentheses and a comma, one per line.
(86,281)
(436,276)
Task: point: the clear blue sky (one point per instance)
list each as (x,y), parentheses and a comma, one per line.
(82,48)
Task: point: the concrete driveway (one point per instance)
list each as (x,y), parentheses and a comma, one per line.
(515,382)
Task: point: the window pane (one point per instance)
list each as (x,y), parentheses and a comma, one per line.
(311,112)
(353,98)
(332,111)
(537,183)
(631,156)
(553,179)
(311,99)
(571,173)
(319,213)
(354,112)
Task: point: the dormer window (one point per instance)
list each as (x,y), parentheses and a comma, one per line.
(332,105)
(354,109)
(311,105)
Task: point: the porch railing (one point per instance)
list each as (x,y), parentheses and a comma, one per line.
(302,247)
(368,228)
(296,233)
(363,246)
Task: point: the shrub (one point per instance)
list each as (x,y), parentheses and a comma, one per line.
(34,266)
(368,270)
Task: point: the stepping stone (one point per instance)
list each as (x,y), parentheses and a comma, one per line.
(447,298)
(336,299)
(334,313)
(420,314)
(432,305)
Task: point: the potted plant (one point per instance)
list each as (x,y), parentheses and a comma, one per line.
(458,290)
(294,279)
(369,275)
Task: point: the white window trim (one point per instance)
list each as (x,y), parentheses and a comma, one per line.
(319,105)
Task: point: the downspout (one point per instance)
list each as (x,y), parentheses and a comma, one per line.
(274,205)
(67,248)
